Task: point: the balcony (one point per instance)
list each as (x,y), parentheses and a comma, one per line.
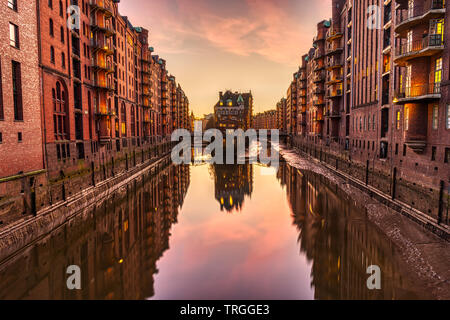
(101,46)
(318,55)
(334,35)
(335,79)
(319,118)
(421,13)
(332,50)
(418,93)
(333,94)
(319,66)
(103,85)
(333,114)
(104,112)
(99,65)
(319,77)
(428,46)
(318,90)
(318,103)
(107,30)
(102,6)
(147,94)
(318,38)
(334,63)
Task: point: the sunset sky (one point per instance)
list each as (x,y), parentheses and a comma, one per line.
(242,45)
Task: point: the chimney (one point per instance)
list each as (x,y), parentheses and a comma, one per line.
(220,95)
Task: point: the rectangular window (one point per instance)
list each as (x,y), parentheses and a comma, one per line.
(435,117)
(433,154)
(12,4)
(448,117)
(438,71)
(14,35)
(1,137)
(2,115)
(17,91)
(19,137)
(406,118)
(398,120)
(446,156)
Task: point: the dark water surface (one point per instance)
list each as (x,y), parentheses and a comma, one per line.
(213,232)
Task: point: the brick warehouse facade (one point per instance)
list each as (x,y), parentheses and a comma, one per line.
(373,99)
(96,101)
(265,120)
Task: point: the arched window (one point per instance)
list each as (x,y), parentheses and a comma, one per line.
(123,118)
(60,114)
(61,30)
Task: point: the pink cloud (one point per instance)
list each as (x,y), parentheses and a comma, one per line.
(266,27)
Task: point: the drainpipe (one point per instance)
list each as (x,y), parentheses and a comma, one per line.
(43,121)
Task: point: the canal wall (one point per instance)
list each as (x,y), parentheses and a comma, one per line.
(424,204)
(29,193)
(72,194)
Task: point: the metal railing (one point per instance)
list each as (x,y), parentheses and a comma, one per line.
(419,90)
(408,48)
(418,10)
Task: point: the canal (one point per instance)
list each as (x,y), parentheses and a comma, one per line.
(213,232)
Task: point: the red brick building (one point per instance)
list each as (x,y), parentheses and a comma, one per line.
(20,115)
(377,98)
(281,116)
(94,100)
(265,120)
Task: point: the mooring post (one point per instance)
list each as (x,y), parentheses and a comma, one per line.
(441,202)
(394,184)
(367,172)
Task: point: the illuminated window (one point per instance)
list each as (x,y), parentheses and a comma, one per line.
(438,72)
(398,120)
(435,117)
(406,118)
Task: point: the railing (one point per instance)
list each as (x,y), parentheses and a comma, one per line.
(318,54)
(319,77)
(419,90)
(334,62)
(334,48)
(433,40)
(334,33)
(418,10)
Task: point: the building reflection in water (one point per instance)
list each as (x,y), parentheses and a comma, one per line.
(339,241)
(116,244)
(232,184)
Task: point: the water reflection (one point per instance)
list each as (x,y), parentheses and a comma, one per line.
(122,245)
(116,244)
(232,184)
(338,239)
